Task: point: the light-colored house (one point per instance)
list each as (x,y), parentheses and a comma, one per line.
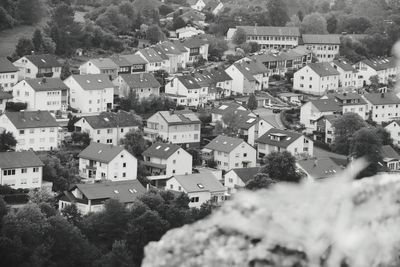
(136,63)
(21,170)
(198,48)
(33,130)
(391,158)
(91,197)
(351,102)
(311,111)
(38,66)
(385,68)
(349,76)
(42,94)
(8,74)
(108,127)
(277,140)
(90,93)
(321,168)
(153,59)
(143,85)
(236,179)
(214,7)
(187,86)
(163,159)
(197,4)
(324,46)
(292,98)
(100,66)
(316,79)
(229,153)
(383,107)
(200,187)
(100,162)
(324,130)
(175,127)
(187,32)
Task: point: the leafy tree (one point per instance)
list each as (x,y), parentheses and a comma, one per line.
(281,166)
(23,47)
(374,83)
(65,70)
(113,21)
(3,210)
(119,256)
(353,24)
(72,214)
(165,9)
(314,23)
(331,24)
(300,15)
(239,37)
(71,123)
(134,143)
(211,164)
(231,123)
(196,156)
(40,195)
(277,12)
(252,102)
(154,34)
(260,181)
(217,47)
(178,22)
(37,40)
(7,141)
(81,138)
(6,20)
(25,11)
(384,136)
(294,21)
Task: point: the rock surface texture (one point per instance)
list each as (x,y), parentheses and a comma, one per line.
(335,223)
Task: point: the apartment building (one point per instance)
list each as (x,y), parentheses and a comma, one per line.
(38,66)
(324,46)
(8,75)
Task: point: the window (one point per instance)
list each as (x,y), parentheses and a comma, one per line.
(31,130)
(124,174)
(35,180)
(196,136)
(173,171)
(109,130)
(194,199)
(174,161)
(179,188)
(23,181)
(21,132)
(52,130)
(36,169)
(244,154)
(171,186)
(109,141)
(230,180)
(124,165)
(98,131)
(24,170)
(8,172)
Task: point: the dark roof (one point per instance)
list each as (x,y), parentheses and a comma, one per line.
(31,119)
(141,80)
(344,65)
(121,61)
(93,81)
(194,42)
(160,51)
(46,84)
(200,182)
(330,118)
(321,39)
(325,105)
(113,120)
(251,68)
(389,153)
(104,63)
(21,159)
(134,59)
(323,69)
(224,143)
(180,46)
(320,168)
(381,63)
(161,150)
(44,61)
(382,99)
(219,75)
(6,66)
(246,174)
(349,99)
(271,31)
(286,137)
(170,48)
(5,95)
(150,54)
(189,81)
(100,152)
(177,118)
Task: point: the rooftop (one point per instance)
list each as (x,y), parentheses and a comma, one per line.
(151,55)
(320,168)
(271,31)
(189,81)
(6,66)
(46,84)
(140,80)
(321,39)
(323,69)
(100,152)
(389,153)
(381,63)
(279,138)
(246,174)
(177,118)
(44,61)
(251,68)
(113,120)
(223,143)
(200,182)
(93,81)
(134,59)
(326,105)
(21,159)
(104,63)
(161,150)
(382,99)
(31,119)
(344,65)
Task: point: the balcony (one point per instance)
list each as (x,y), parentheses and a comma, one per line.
(44,75)
(91,167)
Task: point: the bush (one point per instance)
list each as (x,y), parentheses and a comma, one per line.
(322,145)
(15,106)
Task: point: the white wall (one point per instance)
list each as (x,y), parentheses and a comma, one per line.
(8,80)
(28,180)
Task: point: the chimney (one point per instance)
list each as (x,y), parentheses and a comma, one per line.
(383,95)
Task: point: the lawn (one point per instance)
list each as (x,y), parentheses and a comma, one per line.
(9,38)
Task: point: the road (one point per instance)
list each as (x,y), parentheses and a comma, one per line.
(273,118)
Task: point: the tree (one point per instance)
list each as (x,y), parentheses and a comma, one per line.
(81,138)
(196,156)
(40,195)
(119,256)
(239,37)
(134,143)
(294,21)
(252,102)
(345,126)
(72,214)
(277,11)
(281,166)
(231,123)
(331,24)
(353,24)
(178,22)
(65,70)
(217,47)
(25,11)
(384,136)
(23,47)
(154,34)
(314,23)
(260,181)
(165,10)
(374,83)
(37,40)
(7,141)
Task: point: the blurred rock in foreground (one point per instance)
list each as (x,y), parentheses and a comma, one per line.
(331,223)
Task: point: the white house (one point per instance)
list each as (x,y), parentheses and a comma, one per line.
(349,76)
(100,66)
(163,159)
(390,158)
(321,168)
(311,111)
(200,187)
(21,170)
(36,130)
(174,53)
(38,66)
(230,153)
(136,63)
(108,127)
(175,127)
(316,79)
(91,197)
(143,85)
(282,140)
(324,46)
(198,48)
(214,7)
(351,102)
(385,68)
(90,93)
(324,130)
(383,107)
(238,178)
(187,32)
(42,94)
(187,86)
(8,74)
(153,59)
(100,162)
(197,4)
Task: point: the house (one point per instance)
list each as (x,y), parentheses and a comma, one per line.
(382,107)
(4,98)
(315,109)
(166,160)
(214,7)
(321,168)
(324,130)
(385,68)
(187,32)
(8,75)
(100,66)
(136,63)
(38,66)
(316,79)
(349,77)
(21,170)
(394,129)
(194,17)
(324,46)
(198,48)
(200,187)
(33,130)
(218,112)
(248,77)
(91,197)
(229,153)
(153,59)
(42,94)
(187,86)
(100,162)
(351,102)
(277,140)
(177,57)
(175,127)
(90,93)
(197,4)
(391,158)
(269,37)
(143,85)
(292,98)
(221,80)
(124,65)
(108,127)
(238,178)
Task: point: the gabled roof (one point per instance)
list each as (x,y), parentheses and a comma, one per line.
(271,31)
(100,152)
(380,63)
(246,174)
(250,68)
(349,99)
(229,108)
(291,54)
(31,119)
(330,118)
(44,61)
(194,42)
(224,143)
(200,182)
(6,66)
(320,168)
(113,120)
(219,75)
(160,51)
(326,105)
(150,54)
(389,153)
(180,46)
(141,80)
(121,61)
(382,99)
(46,84)
(321,39)
(93,81)
(170,48)
(177,118)
(134,59)
(344,65)
(104,63)
(287,138)
(161,150)
(189,82)
(124,191)
(323,69)
(21,159)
